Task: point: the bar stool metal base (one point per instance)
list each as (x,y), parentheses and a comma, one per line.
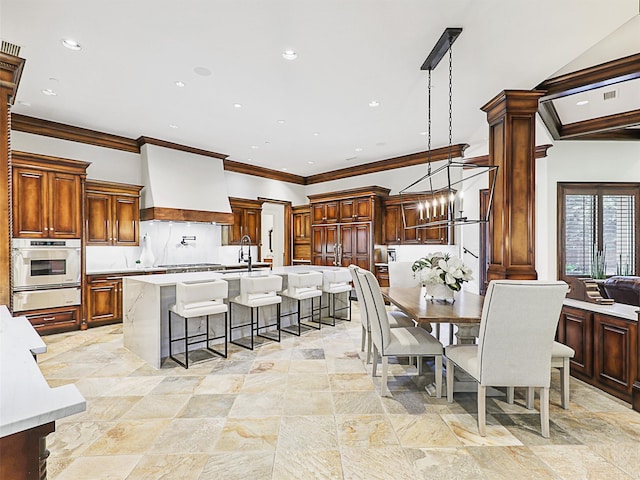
(195,339)
(255,327)
(312,315)
(333,311)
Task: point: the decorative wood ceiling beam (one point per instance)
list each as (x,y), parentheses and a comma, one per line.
(625,134)
(541,152)
(23,123)
(601,124)
(418,158)
(620,70)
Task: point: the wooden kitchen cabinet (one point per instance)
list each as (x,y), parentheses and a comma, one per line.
(355,246)
(382,274)
(324,245)
(324,212)
(301,241)
(615,344)
(246,221)
(395,233)
(112,213)
(47,196)
(356,210)
(54,320)
(103,299)
(575,329)
(393,226)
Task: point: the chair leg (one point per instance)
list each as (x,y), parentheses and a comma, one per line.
(450,373)
(530,398)
(186,344)
(364,339)
(438,331)
(482,410)
(438,374)
(564,382)
(369,347)
(419,363)
(544,411)
(510,395)
(375,361)
(384,390)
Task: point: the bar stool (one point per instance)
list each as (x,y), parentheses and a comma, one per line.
(335,282)
(256,292)
(195,300)
(304,286)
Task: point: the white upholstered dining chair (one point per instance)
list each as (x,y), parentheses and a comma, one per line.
(399,341)
(517,327)
(396,317)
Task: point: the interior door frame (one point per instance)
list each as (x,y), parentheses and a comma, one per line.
(485,246)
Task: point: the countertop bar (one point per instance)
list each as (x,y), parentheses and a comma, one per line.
(26,400)
(130,270)
(628,312)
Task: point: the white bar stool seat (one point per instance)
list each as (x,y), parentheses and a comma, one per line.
(256,292)
(334,283)
(196,300)
(300,287)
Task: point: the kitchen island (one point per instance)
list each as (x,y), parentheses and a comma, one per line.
(147,298)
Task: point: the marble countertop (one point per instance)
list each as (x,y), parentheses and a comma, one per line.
(628,312)
(26,400)
(133,270)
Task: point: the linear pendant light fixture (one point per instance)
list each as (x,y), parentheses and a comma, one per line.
(436,199)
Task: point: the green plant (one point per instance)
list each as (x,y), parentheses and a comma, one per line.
(598,264)
(623,268)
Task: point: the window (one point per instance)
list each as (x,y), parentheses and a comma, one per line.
(597,219)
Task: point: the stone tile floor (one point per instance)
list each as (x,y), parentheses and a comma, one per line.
(307,408)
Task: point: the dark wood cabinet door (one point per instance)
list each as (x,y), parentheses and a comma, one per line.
(127,219)
(347,211)
(318,213)
(65,211)
(411,235)
(301,227)
(251,227)
(577,332)
(104,304)
(392,227)
(363,209)
(614,344)
(332,212)
(30,203)
(98,218)
(54,320)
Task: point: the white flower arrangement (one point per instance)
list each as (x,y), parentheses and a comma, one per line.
(441,268)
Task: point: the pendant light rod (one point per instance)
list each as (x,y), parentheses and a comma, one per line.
(441,47)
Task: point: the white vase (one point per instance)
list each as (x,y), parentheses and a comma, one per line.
(439,291)
(146,257)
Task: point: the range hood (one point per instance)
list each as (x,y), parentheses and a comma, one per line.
(183,186)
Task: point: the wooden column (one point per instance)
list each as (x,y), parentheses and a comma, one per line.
(635,390)
(511,116)
(10,71)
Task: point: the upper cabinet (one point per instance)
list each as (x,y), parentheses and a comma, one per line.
(394,232)
(112,212)
(324,212)
(247,220)
(301,221)
(47,196)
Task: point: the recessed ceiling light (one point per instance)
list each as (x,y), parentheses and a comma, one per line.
(281,122)
(23,103)
(381,144)
(255,147)
(71,44)
(237,105)
(374,103)
(315,134)
(249,159)
(284,169)
(289,55)
(173,126)
(582,102)
(179,84)
(423,133)
(358,149)
(49,92)
(350,158)
(267,143)
(310,163)
(202,71)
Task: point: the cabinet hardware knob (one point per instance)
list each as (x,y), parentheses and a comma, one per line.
(48,319)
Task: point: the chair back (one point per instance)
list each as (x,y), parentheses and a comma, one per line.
(190,296)
(364,319)
(304,282)
(336,280)
(376,309)
(517,328)
(254,288)
(401,275)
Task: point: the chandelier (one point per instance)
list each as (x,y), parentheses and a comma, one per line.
(437,199)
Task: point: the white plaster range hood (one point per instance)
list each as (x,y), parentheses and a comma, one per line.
(182,186)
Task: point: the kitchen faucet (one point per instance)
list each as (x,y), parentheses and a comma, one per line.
(245,239)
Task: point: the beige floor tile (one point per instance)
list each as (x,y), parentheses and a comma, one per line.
(219,384)
(307,403)
(422,431)
(344,382)
(573,462)
(207,406)
(244,434)
(72,439)
(257,404)
(128,437)
(317,464)
(239,466)
(161,467)
(262,365)
(357,403)
(377,463)
(365,431)
(446,463)
(265,382)
(306,382)
(177,385)
(512,462)
(102,409)
(308,433)
(625,456)
(465,428)
(189,435)
(111,467)
(308,366)
(157,406)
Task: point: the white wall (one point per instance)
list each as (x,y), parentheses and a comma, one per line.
(248,186)
(575,161)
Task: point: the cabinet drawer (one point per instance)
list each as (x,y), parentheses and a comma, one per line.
(54,320)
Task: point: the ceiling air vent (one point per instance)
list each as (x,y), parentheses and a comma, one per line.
(609,95)
(10,49)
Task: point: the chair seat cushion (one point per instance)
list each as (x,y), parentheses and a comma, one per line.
(337,288)
(399,319)
(258,300)
(561,350)
(301,293)
(466,357)
(198,309)
(412,341)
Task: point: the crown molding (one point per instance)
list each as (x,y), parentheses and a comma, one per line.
(176,146)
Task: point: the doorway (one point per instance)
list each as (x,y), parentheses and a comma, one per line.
(273,237)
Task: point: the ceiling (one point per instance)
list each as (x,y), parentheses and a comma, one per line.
(309,115)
